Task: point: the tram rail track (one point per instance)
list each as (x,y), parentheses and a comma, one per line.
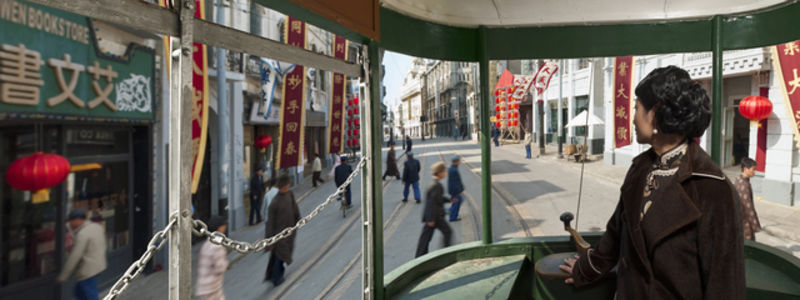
(330,246)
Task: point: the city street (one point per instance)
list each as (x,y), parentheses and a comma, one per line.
(528,196)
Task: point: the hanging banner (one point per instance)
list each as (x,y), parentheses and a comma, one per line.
(270,71)
(293,109)
(788,72)
(623,80)
(336,126)
(543,76)
(522,83)
(200,99)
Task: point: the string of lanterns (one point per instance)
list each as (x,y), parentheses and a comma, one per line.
(507,108)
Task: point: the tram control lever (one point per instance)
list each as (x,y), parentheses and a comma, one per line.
(580,243)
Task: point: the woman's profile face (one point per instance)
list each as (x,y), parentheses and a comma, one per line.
(644,122)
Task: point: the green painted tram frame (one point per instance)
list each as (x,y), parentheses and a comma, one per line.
(400,33)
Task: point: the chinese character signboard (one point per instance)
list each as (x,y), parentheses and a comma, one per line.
(622,100)
(50,64)
(293,102)
(788,72)
(336,126)
(200,101)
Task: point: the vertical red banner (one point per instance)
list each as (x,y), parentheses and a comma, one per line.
(623,80)
(761,143)
(293,109)
(336,126)
(200,99)
(788,68)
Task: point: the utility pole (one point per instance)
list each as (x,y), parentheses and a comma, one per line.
(540,105)
(222,113)
(560,115)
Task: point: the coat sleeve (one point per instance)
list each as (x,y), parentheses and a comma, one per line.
(434,193)
(295,211)
(720,242)
(81,242)
(603,256)
(273,216)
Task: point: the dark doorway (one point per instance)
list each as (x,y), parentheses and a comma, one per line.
(741,135)
(142,189)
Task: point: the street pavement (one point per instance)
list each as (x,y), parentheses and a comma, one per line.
(528,195)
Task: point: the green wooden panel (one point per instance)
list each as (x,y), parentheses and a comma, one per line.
(766,28)
(415,37)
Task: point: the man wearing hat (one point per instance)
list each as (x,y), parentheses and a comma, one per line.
(455,188)
(88,255)
(411,177)
(256,195)
(283,213)
(433,214)
(342,172)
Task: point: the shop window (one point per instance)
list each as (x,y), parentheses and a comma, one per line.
(28,232)
(91,141)
(101,189)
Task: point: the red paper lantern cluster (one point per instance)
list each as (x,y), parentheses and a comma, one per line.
(263,141)
(499,124)
(38,171)
(755,108)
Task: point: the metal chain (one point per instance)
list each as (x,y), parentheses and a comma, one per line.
(156,243)
(201,229)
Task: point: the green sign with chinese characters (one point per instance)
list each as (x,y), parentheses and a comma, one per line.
(50,64)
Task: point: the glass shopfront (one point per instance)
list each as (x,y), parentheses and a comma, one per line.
(34,238)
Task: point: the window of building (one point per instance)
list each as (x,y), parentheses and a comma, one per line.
(581,104)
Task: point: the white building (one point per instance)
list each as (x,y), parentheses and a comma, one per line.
(411,100)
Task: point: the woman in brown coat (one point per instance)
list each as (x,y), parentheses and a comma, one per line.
(283,213)
(676,231)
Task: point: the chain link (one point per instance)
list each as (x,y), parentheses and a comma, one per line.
(201,229)
(156,243)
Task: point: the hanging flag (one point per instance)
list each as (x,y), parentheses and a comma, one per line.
(623,80)
(270,71)
(543,76)
(522,83)
(293,111)
(788,72)
(336,126)
(200,99)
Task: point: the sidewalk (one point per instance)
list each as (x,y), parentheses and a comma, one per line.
(154,285)
(779,222)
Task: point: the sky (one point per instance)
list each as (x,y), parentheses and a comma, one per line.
(397,65)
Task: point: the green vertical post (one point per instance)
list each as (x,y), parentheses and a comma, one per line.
(716,100)
(374,169)
(486,148)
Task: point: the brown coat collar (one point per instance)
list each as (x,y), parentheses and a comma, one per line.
(676,206)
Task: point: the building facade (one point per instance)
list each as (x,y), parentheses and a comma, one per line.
(446,87)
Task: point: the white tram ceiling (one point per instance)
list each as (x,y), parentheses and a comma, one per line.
(152,18)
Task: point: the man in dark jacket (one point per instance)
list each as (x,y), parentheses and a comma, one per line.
(409,143)
(455,188)
(283,213)
(256,195)
(411,177)
(496,136)
(433,215)
(391,165)
(340,176)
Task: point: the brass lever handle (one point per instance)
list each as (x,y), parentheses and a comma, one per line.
(580,243)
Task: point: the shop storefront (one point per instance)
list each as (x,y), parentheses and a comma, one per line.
(93,109)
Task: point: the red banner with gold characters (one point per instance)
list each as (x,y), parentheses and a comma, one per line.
(623,79)
(336,126)
(200,99)
(293,110)
(788,72)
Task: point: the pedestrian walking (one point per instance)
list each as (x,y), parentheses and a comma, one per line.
(750,223)
(676,232)
(283,213)
(528,141)
(496,137)
(212,262)
(391,164)
(316,168)
(409,143)
(343,171)
(433,214)
(411,170)
(272,191)
(88,256)
(336,161)
(256,195)
(455,187)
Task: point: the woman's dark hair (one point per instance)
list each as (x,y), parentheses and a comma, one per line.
(682,105)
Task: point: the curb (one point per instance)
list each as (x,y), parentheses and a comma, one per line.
(781,233)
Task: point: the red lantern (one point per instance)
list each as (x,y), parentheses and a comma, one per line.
(356,132)
(497,92)
(497,100)
(499,124)
(38,172)
(355,110)
(349,112)
(357,122)
(355,101)
(498,116)
(755,108)
(263,141)
(516,122)
(497,108)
